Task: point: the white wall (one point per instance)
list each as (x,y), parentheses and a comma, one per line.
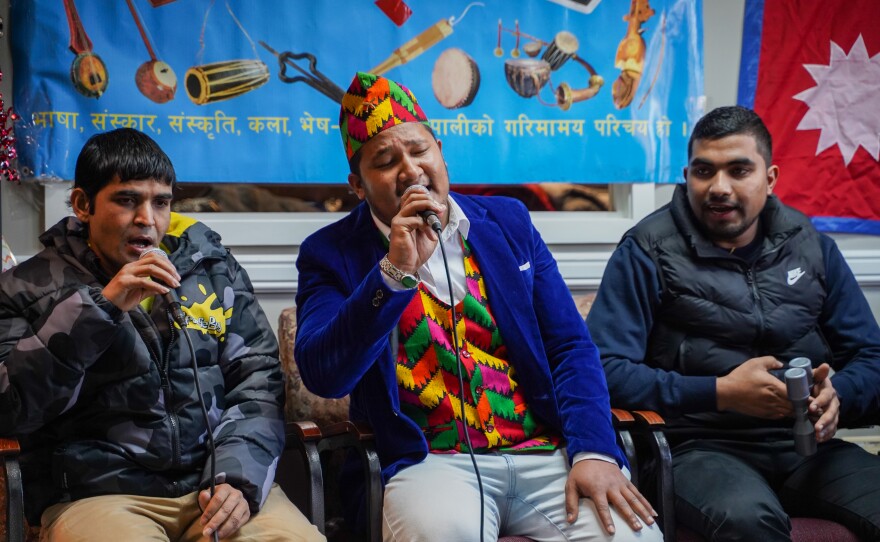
(266,244)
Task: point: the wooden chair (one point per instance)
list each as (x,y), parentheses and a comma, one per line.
(300,452)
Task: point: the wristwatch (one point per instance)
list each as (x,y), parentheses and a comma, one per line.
(405,279)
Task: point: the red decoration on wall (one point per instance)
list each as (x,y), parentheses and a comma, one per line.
(396,10)
(7,142)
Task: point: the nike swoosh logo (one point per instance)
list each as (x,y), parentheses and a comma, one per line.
(794,278)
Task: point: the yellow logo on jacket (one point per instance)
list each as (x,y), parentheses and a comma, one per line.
(204,317)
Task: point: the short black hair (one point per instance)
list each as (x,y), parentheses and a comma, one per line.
(733,120)
(354,163)
(124,152)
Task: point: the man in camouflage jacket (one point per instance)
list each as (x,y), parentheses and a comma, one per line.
(96,379)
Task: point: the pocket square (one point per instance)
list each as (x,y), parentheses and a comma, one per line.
(526,266)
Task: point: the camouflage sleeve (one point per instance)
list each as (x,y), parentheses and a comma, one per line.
(43,360)
(250,435)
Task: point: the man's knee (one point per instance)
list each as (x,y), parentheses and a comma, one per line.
(279,519)
(731,518)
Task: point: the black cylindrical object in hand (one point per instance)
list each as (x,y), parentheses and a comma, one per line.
(799,394)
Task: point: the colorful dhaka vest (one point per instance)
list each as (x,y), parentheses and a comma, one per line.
(427,375)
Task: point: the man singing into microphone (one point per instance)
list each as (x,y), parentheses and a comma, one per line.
(375,321)
(96,379)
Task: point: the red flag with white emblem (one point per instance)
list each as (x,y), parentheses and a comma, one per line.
(811,70)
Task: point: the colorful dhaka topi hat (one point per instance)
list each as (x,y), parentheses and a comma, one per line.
(372,104)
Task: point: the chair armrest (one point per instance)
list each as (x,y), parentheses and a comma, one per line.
(359,436)
(14,520)
(623,422)
(302,439)
(652,424)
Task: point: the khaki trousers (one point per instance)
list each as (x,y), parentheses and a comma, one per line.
(111,518)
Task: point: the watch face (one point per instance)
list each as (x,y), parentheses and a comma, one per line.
(409,281)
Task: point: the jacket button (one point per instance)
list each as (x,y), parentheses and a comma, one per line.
(489,427)
(379,294)
(376,301)
(465,354)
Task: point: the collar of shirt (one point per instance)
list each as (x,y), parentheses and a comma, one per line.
(433,272)
(458,222)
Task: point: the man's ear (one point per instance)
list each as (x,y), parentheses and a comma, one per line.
(356,184)
(772,177)
(79,201)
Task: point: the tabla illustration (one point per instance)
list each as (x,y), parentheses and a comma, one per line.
(528,76)
(224,80)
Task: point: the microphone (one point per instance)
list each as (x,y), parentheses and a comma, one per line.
(432,220)
(806,365)
(169,296)
(799,394)
(429,216)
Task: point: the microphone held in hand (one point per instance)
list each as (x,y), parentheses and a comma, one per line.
(169,296)
(799,394)
(429,216)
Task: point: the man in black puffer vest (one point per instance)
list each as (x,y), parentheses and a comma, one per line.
(708,297)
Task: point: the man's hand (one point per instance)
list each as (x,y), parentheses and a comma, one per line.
(412,241)
(225,513)
(825,407)
(133,283)
(751,389)
(605,484)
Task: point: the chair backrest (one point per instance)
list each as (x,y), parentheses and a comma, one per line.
(302,404)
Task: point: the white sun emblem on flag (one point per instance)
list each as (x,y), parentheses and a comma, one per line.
(844,102)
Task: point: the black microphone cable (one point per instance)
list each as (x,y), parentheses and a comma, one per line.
(176,316)
(210,434)
(436,226)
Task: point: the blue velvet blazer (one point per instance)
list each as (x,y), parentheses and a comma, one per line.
(346,315)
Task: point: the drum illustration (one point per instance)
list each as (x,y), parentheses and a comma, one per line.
(219,81)
(526,76)
(455,79)
(563,47)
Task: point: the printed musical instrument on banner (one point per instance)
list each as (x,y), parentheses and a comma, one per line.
(565,95)
(313,77)
(219,81)
(88,73)
(527,76)
(429,37)
(455,79)
(533,48)
(562,48)
(154,78)
(630,57)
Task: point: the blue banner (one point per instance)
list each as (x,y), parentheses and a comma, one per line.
(588,91)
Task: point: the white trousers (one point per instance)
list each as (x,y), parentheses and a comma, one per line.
(439,499)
